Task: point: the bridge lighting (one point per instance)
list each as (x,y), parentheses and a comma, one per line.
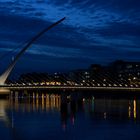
(58,83)
(98,84)
(35,84)
(47,83)
(42,83)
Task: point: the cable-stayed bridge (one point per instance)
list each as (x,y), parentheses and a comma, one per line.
(95,81)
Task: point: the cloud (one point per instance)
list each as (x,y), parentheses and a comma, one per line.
(95,31)
(120,29)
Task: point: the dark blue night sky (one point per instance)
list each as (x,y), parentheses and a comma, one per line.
(95,31)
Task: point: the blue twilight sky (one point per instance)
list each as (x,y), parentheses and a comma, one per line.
(95,31)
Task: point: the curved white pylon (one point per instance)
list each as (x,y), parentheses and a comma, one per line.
(7,72)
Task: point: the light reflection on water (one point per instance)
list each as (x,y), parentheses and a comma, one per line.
(52,116)
(3,107)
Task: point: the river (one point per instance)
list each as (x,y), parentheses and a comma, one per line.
(50,117)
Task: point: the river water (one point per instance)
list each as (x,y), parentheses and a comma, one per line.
(50,117)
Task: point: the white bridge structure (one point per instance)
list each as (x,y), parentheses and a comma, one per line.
(7,72)
(91,85)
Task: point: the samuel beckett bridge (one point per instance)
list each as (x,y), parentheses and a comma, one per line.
(82,82)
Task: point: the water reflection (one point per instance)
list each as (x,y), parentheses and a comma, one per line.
(3,107)
(39,111)
(95,107)
(116,108)
(40,102)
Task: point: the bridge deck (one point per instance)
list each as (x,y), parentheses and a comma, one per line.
(69,88)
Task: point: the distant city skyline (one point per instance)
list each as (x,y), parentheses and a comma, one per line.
(94,32)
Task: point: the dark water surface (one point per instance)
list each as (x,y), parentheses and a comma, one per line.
(50,117)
